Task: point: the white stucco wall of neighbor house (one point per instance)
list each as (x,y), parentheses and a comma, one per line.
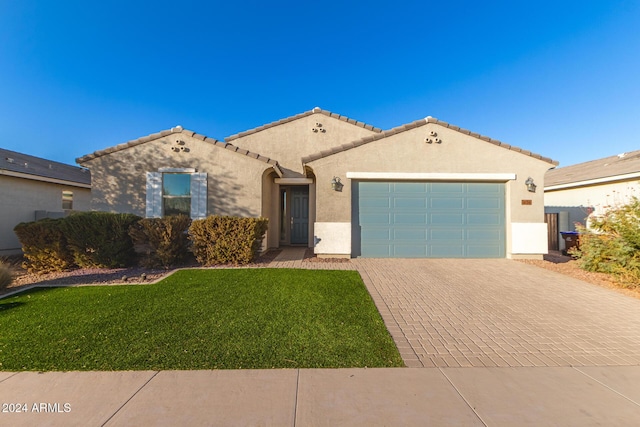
(600,197)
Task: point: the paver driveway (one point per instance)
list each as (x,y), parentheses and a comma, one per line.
(456,313)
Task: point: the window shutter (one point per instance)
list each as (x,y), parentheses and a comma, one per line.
(154,195)
(198,195)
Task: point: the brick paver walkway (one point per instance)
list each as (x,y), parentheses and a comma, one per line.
(457,313)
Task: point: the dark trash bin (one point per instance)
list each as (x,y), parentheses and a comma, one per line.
(571,240)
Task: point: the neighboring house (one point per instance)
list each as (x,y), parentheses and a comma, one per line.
(574,193)
(32,188)
(345,188)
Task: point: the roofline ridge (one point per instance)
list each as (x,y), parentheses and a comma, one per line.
(173,130)
(315,110)
(419,123)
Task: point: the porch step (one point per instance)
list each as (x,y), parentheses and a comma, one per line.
(291,253)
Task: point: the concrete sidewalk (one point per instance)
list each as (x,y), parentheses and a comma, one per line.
(564,396)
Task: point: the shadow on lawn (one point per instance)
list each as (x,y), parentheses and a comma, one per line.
(9,305)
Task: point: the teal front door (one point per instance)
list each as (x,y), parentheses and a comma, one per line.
(299,215)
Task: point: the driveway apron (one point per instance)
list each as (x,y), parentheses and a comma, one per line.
(500,313)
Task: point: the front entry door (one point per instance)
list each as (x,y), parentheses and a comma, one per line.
(299,215)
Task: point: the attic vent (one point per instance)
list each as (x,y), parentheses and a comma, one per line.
(50,166)
(10,160)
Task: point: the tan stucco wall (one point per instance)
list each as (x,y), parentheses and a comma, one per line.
(289,142)
(407,152)
(21,198)
(234,180)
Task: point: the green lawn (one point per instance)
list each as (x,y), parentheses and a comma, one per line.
(199,319)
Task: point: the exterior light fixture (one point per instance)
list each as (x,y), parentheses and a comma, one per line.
(530,185)
(336,185)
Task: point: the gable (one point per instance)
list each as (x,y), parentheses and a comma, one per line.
(430,137)
(234,175)
(172,138)
(295,137)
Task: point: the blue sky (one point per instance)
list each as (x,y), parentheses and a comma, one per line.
(559,78)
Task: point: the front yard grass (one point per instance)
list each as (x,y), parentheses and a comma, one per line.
(199,319)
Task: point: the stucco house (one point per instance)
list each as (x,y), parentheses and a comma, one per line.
(340,186)
(575,193)
(32,188)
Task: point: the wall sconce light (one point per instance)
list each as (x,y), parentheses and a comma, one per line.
(530,185)
(336,185)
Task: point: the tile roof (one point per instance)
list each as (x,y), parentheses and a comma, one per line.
(38,167)
(299,116)
(419,123)
(608,167)
(178,129)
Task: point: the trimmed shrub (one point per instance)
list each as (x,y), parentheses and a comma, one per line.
(162,241)
(226,239)
(5,276)
(44,246)
(613,244)
(100,239)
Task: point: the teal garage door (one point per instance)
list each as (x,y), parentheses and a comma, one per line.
(429,219)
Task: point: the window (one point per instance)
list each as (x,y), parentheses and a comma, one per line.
(176,194)
(67,200)
(173,191)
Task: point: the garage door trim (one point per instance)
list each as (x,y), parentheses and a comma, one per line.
(409,176)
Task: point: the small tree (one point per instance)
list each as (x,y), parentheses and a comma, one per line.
(612,245)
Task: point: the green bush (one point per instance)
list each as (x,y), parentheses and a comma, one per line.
(44,246)
(613,244)
(162,241)
(226,239)
(5,276)
(100,239)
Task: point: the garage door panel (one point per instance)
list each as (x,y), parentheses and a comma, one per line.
(486,188)
(447,187)
(377,251)
(429,219)
(382,234)
(404,218)
(375,202)
(414,202)
(484,251)
(376,219)
(446,251)
(446,203)
(487,203)
(409,187)
(400,234)
(447,234)
(446,219)
(485,235)
(409,251)
(375,188)
(483,219)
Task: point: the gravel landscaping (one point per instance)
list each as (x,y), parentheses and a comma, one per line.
(554,261)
